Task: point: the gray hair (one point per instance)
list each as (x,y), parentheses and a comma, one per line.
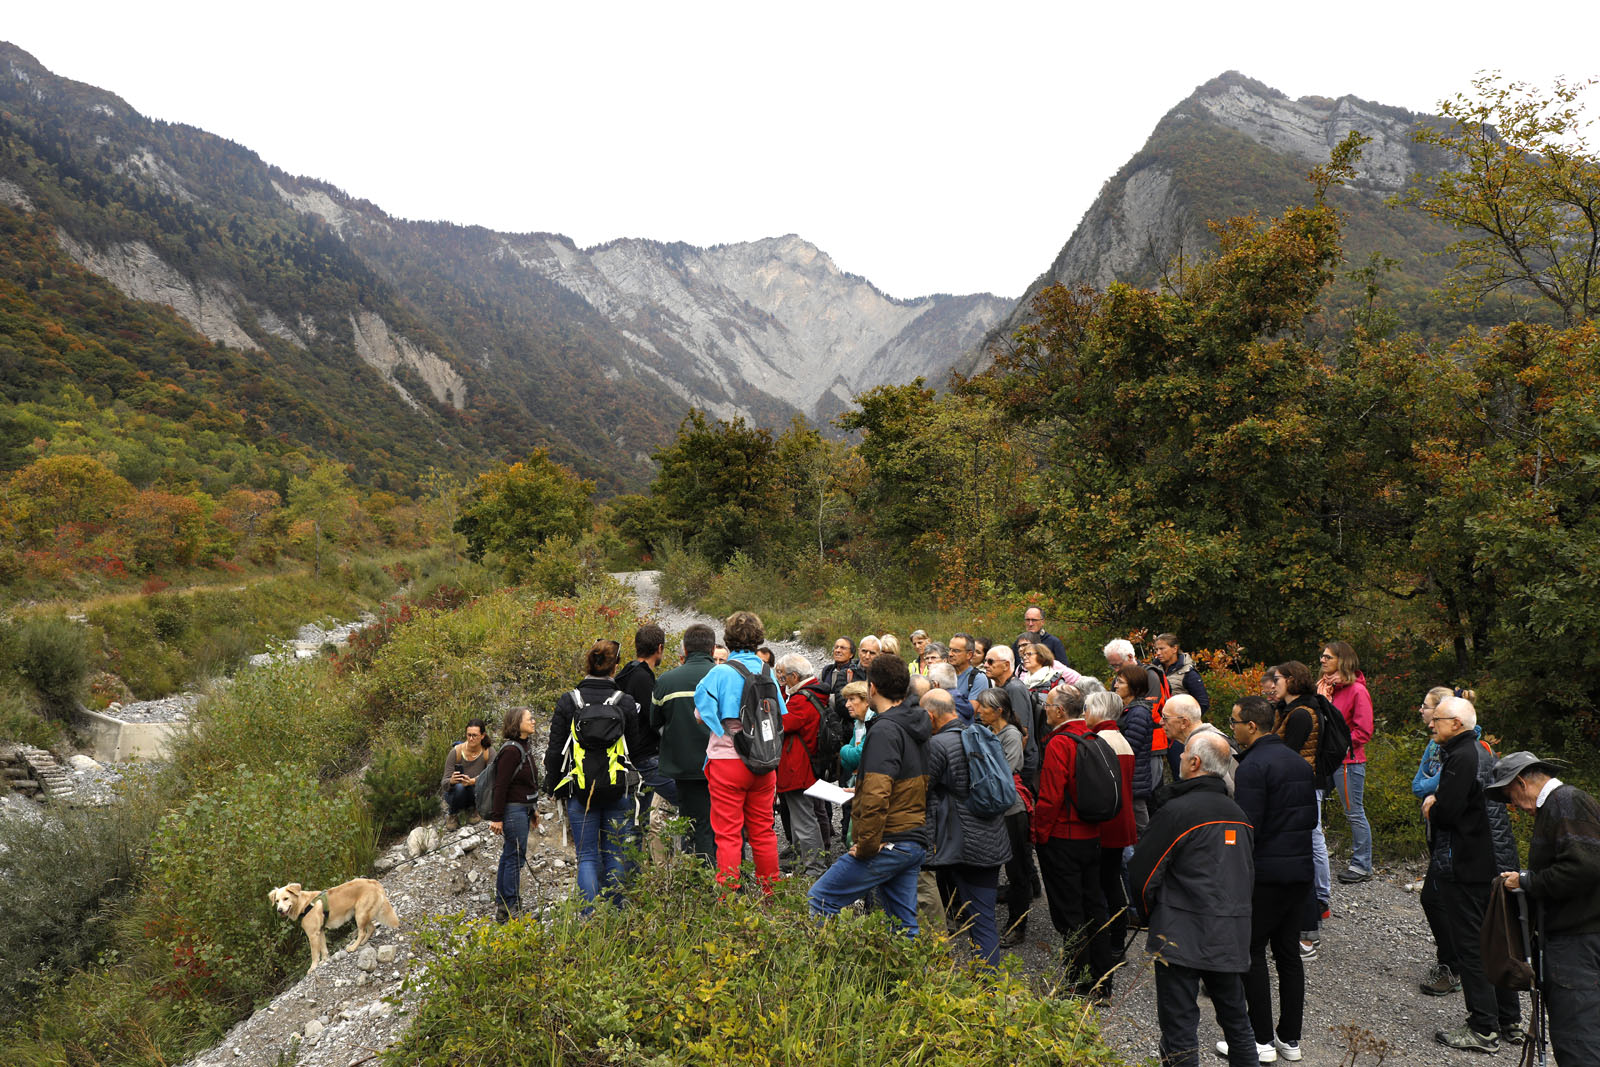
(1089,686)
(795,663)
(936,648)
(1182,706)
(1004,652)
(1098,707)
(1212,749)
(942,675)
(870,637)
(920,685)
(1068,699)
(938,703)
(1457,708)
(1121,646)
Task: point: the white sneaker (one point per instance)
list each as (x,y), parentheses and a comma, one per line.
(1289,1050)
(1264,1053)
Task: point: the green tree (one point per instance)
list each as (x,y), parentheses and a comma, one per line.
(1527,193)
(512,510)
(1182,437)
(718,488)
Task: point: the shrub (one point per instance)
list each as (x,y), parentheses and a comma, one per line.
(213,861)
(53,656)
(1395,814)
(685,576)
(677,977)
(59,871)
(556,568)
(19,722)
(403,788)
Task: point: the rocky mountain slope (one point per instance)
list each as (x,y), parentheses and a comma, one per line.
(1237,146)
(394,344)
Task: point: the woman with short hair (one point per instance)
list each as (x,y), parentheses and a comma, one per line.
(991,708)
(1132,684)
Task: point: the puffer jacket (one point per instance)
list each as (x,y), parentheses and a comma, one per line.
(1136,725)
(1505,842)
(1184,677)
(891,801)
(1273,786)
(1461,846)
(1299,726)
(1193,874)
(959,835)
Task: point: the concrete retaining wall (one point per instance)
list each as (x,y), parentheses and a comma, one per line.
(114,740)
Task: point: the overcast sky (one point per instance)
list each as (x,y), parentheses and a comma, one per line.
(928,147)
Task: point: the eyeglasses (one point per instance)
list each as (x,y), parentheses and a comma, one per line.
(993,659)
(1324,657)
(1236,722)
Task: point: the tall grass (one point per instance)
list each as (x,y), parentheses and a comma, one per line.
(680,976)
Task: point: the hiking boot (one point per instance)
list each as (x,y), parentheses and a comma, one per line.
(452,822)
(1308,950)
(506,910)
(1441,981)
(1289,1050)
(1353,874)
(1514,1034)
(1264,1053)
(1015,935)
(1466,1037)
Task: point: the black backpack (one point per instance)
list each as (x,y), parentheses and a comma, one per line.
(759,739)
(1333,739)
(1097,782)
(831,735)
(597,748)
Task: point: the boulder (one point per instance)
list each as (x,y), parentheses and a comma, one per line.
(368,959)
(421,840)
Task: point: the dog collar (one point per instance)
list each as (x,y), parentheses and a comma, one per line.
(322,899)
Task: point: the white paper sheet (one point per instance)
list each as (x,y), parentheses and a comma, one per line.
(824,790)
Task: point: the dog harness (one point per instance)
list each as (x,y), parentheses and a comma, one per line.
(322,898)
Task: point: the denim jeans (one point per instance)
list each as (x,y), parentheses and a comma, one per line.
(1321,879)
(600,837)
(892,872)
(508,881)
(1351,780)
(459,798)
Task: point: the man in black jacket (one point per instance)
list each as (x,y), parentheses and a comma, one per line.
(1461,866)
(1192,875)
(658,793)
(1274,788)
(1563,870)
(684,736)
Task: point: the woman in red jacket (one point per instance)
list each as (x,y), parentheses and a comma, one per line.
(1100,711)
(802,716)
(1343,683)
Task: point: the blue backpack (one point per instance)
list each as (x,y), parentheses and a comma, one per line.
(993,788)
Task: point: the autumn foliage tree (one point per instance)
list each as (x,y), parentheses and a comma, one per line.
(511,511)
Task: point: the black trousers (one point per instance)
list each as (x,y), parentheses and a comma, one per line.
(1275,914)
(1462,905)
(1178,1009)
(1115,890)
(1071,873)
(1572,993)
(1019,873)
(1508,1007)
(694,801)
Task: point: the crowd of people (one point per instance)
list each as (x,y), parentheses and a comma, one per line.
(1114,801)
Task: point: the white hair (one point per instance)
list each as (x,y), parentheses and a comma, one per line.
(1098,707)
(1089,686)
(870,637)
(1215,755)
(1121,646)
(795,663)
(942,675)
(1004,652)
(1182,706)
(1457,708)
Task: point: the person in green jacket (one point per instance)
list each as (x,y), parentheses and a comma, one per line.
(684,736)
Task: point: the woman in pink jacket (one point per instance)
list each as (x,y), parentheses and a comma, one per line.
(1343,683)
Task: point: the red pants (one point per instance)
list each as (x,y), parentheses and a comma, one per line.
(741,805)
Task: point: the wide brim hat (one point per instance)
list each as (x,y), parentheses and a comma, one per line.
(1509,768)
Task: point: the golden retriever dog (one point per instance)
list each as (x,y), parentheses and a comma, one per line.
(361,899)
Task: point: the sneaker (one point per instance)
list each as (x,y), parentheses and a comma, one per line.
(1264,1053)
(1308,950)
(1466,1037)
(1354,874)
(1441,981)
(1289,1050)
(1514,1034)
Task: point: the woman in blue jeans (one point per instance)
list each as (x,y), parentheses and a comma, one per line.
(592,730)
(516,791)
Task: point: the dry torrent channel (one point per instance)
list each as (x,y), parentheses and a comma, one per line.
(1364,981)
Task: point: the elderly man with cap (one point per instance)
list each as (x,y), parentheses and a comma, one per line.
(1562,873)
